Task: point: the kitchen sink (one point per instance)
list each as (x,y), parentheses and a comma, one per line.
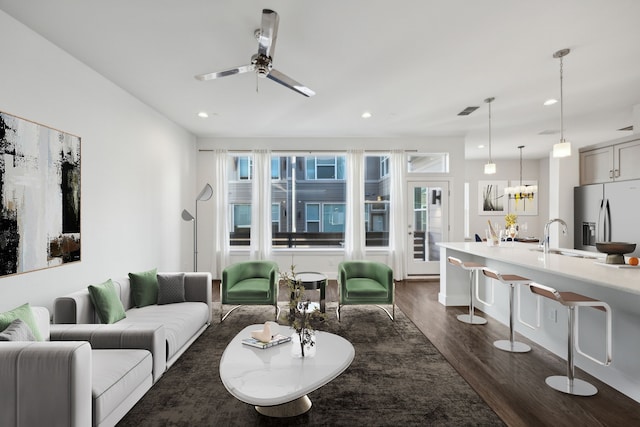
(565,252)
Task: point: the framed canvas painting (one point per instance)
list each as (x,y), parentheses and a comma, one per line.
(491,198)
(39,196)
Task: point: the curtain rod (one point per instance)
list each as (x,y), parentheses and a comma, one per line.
(307,151)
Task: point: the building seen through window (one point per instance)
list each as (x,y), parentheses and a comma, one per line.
(308,200)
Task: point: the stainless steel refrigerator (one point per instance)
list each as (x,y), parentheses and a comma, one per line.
(607,213)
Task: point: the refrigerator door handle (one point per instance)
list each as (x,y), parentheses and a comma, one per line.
(607,219)
(600,232)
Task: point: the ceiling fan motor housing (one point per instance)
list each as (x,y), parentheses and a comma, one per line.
(263,64)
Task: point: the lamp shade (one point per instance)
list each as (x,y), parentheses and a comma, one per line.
(205,194)
(562,149)
(489,168)
(187,216)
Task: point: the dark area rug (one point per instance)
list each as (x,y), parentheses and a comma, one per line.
(397,378)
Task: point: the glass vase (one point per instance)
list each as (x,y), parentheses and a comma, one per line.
(308,348)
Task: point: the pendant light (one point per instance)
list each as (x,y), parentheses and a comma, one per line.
(521,192)
(562,148)
(490,167)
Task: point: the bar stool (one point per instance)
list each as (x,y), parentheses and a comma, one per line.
(473,268)
(509,279)
(569,384)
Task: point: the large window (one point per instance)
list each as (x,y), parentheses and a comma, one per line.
(308,200)
(311,195)
(428,163)
(376,203)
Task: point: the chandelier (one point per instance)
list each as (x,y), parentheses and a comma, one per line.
(521,192)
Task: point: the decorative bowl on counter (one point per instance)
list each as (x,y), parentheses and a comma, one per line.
(615,250)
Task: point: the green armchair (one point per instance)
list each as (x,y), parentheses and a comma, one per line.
(249,283)
(366,282)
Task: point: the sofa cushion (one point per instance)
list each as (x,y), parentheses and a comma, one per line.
(17,330)
(116,375)
(144,287)
(25,314)
(181,321)
(106,302)
(170,288)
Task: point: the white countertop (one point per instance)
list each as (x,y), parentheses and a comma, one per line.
(588,270)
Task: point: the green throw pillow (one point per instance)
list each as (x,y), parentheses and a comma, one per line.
(25,314)
(144,287)
(106,302)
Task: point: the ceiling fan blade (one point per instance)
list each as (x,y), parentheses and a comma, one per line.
(237,70)
(287,81)
(268,33)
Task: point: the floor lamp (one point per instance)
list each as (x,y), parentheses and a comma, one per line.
(204,195)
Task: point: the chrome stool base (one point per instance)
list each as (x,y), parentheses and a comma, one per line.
(475,320)
(512,347)
(578,388)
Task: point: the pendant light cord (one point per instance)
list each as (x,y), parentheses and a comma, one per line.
(490,161)
(561,105)
(521,147)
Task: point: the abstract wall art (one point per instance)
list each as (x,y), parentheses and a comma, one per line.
(39,196)
(491,200)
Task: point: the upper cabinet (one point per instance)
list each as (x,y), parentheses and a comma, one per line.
(616,162)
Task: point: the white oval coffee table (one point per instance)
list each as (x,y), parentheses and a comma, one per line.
(274,381)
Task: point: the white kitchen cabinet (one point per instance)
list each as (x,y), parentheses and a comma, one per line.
(617,162)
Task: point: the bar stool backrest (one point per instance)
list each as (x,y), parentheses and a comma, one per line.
(492,273)
(546,291)
(454,261)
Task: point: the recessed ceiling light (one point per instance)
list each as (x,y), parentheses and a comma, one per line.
(481,146)
(550,101)
(366,115)
(203,114)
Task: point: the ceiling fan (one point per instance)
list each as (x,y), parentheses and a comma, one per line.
(262,62)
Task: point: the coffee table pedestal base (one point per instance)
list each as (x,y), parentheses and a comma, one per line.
(289,409)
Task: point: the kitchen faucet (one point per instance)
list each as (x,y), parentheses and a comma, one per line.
(545,240)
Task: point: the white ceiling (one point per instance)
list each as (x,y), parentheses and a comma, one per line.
(414,64)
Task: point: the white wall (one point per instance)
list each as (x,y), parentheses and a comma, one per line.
(138,168)
(566,172)
(326,261)
(507,170)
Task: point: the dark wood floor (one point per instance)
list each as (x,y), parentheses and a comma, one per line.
(512,384)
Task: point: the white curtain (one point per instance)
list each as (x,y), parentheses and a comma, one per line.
(261,205)
(398,216)
(354,233)
(221,205)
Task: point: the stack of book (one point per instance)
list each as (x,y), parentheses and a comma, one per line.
(275,340)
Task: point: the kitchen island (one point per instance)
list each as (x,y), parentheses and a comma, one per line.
(565,270)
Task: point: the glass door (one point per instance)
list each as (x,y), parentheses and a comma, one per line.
(428,224)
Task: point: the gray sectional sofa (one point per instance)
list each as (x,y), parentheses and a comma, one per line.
(182,322)
(67,383)
(88,373)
